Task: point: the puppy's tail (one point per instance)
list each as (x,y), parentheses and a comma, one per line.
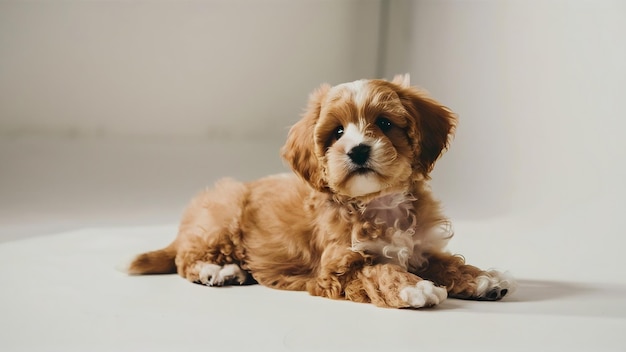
(161,261)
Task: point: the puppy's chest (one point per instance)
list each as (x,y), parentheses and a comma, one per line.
(392,212)
(399,238)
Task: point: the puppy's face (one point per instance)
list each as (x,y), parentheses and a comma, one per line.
(362,137)
(366,137)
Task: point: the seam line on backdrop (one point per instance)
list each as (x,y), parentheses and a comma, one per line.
(383,31)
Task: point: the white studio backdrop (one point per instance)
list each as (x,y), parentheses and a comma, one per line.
(539,153)
(538,86)
(176,69)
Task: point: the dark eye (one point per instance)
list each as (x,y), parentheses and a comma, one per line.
(384,124)
(338,132)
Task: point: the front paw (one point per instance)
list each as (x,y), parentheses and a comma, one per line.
(423,294)
(492,285)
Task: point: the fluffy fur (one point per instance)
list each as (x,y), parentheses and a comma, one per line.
(356,221)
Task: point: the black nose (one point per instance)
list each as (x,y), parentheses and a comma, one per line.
(360,154)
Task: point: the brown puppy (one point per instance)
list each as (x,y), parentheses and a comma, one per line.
(357,220)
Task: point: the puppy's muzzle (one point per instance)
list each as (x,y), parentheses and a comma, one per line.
(360,154)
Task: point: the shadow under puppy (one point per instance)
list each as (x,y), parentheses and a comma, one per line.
(357,221)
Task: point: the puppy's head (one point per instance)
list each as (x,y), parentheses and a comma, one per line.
(366,137)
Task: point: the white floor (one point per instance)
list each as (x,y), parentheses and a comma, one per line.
(71,210)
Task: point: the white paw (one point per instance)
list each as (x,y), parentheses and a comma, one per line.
(423,294)
(216,275)
(494,285)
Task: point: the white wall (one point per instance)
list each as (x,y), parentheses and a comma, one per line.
(537,84)
(539,87)
(190,69)
(536,173)
(537,165)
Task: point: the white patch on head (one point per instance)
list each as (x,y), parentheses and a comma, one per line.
(423,294)
(352,136)
(359,91)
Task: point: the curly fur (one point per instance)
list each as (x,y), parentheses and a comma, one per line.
(363,228)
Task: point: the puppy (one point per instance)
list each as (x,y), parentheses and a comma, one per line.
(356,221)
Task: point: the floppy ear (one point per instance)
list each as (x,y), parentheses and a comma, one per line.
(433,127)
(299,150)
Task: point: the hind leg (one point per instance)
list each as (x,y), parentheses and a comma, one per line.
(216,275)
(209,249)
(211,263)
